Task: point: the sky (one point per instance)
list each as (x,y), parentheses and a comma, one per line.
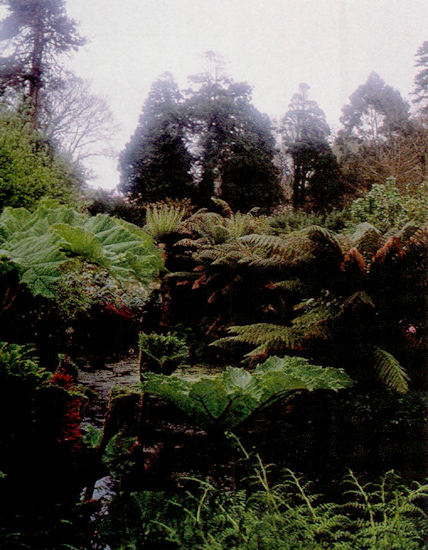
(274,45)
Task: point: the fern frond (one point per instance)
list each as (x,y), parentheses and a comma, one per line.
(314,323)
(227,211)
(366,239)
(419,239)
(291,285)
(390,371)
(267,338)
(353,260)
(358,298)
(392,249)
(407,231)
(294,248)
(163,219)
(314,231)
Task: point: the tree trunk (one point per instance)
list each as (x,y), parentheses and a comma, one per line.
(35,77)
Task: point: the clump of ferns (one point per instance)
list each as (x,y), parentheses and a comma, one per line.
(270,339)
(211,228)
(387,515)
(290,516)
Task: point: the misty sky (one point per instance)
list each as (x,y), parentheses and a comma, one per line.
(274,45)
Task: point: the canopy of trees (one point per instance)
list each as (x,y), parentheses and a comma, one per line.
(209,141)
(156,163)
(380,139)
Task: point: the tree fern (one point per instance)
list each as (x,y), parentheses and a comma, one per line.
(366,239)
(270,338)
(163,219)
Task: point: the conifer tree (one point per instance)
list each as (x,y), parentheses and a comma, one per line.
(421,79)
(234,144)
(156,164)
(314,171)
(34,34)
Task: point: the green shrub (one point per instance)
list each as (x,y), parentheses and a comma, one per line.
(37,245)
(30,169)
(161,353)
(385,207)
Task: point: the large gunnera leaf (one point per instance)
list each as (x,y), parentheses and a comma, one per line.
(226,400)
(38,243)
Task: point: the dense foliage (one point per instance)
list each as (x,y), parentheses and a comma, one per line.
(228,399)
(315,175)
(287,516)
(240,257)
(30,169)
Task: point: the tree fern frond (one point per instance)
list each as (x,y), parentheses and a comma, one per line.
(390,371)
(356,299)
(163,219)
(292,249)
(366,239)
(291,285)
(317,230)
(419,239)
(267,338)
(188,243)
(259,262)
(227,211)
(407,231)
(392,249)
(353,259)
(314,323)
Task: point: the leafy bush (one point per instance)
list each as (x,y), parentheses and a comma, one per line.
(226,400)
(161,353)
(385,207)
(288,220)
(41,407)
(30,169)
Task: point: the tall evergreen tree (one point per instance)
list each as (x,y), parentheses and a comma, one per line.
(156,164)
(314,171)
(421,79)
(233,143)
(211,142)
(34,34)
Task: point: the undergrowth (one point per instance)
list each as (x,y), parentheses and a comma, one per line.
(287,516)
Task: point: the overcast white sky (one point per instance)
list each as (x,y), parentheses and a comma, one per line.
(274,45)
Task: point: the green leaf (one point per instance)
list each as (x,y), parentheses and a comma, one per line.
(81,242)
(227,399)
(390,371)
(38,244)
